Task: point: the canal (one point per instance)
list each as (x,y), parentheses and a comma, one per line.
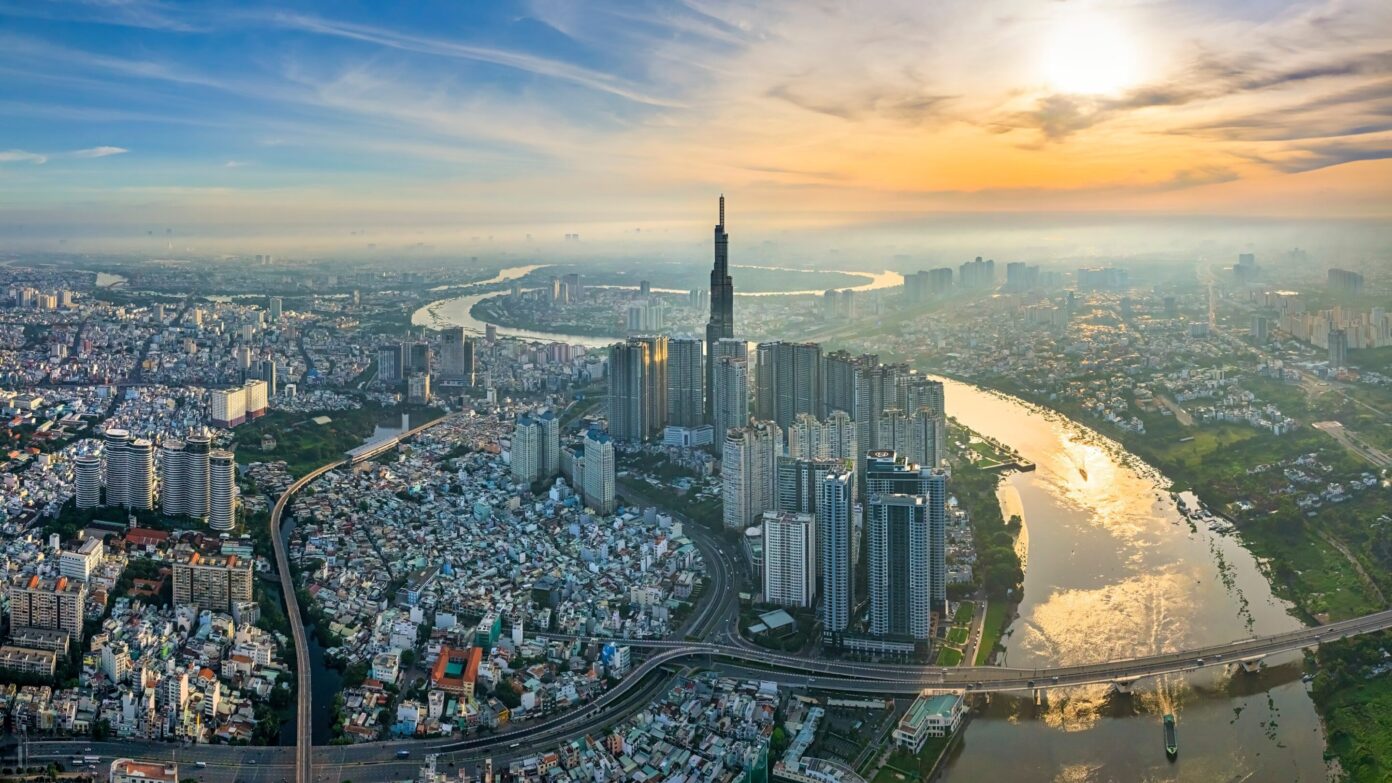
(1115,570)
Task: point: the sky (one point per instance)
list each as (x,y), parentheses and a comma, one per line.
(326,126)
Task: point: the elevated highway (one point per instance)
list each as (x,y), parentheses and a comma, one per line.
(304,705)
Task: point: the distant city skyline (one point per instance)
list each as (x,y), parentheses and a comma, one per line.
(198,127)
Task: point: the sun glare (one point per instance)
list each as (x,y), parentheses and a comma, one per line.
(1089,54)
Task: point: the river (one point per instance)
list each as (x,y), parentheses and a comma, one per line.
(458,311)
(1114,570)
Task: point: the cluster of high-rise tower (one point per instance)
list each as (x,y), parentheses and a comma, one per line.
(195,480)
(836,457)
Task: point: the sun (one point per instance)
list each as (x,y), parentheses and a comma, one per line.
(1089,54)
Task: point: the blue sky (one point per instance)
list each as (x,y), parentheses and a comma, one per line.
(323,122)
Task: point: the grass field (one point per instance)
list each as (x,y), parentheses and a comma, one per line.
(949,656)
(991,631)
(957,635)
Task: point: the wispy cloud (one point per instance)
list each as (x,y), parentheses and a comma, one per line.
(22,156)
(521,61)
(98,152)
(39,158)
(234,164)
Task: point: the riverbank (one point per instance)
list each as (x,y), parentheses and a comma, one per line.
(1307,566)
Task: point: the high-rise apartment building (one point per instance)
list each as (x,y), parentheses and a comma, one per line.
(257,398)
(918,391)
(197,447)
(899,571)
(629,385)
(227,407)
(116,443)
(800,481)
(685,382)
(173,479)
(140,474)
(927,439)
(834,438)
(749,472)
(598,483)
(276,306)
(655,384)
(1338,348)
(51,604)
(87,476)
(222,490)
(888,474)
(457,356)
(838,381)
(722,305)
(730,409)
(418,388)
(417,357)
(211,582)
(550,463)
(790,564)
(526,449)
(391,363)
(788,381)
(836,532)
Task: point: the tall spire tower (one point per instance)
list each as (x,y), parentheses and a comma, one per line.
(722,304)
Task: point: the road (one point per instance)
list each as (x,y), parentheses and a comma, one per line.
(1353,443)
(634,691)
(304,720)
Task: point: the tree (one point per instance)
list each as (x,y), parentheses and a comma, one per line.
(101,730)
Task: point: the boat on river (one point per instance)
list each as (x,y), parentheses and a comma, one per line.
(1171,738)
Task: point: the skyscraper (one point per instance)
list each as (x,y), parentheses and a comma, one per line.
(598,482)
(526,449)
(838,382)
(722,306)
(222,490)
(749,473)
(457,356)
(835,550)
(888,474)
(629,368)
(140,474)
(391,363)
(899,558)
(876,390)
(550,463)
(87,475)
(1338,348)
(730,406)
(917,390)
(927,439)
(788,381)
(116,443)
(800,481)
(655,383)
(196,450)
(685,382)
(173,478)
(790,565)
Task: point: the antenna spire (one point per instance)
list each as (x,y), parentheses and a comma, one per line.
(722,209)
